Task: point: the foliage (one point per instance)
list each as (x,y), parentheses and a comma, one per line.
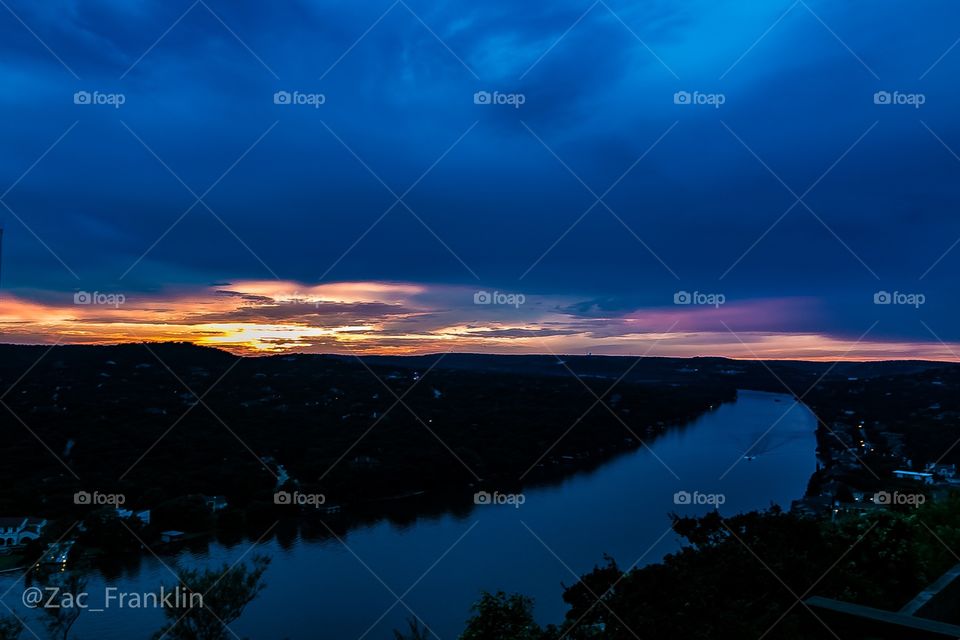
(416,632)
(224,595)
(61,619)
(187,513)
(104,530)
(116,405)
(10,628)
(502,617)
(742,576)
(588,597)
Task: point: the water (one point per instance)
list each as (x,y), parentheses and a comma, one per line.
(349,588)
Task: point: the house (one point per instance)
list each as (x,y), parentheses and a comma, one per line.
(215,503)
(919,476)
(945,471)
(143,516)
(171,536)
(20,530)
(57,553)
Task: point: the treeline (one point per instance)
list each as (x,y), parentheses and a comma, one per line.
(741,577)
(160,422)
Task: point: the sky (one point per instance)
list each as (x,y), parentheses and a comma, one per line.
(772,179)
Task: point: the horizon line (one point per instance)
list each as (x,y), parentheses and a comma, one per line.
(255,355)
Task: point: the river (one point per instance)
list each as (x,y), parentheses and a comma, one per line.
(348,588)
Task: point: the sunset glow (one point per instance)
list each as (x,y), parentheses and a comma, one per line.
(263,317)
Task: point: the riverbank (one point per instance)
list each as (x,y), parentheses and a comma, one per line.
(620,507)
(124,427)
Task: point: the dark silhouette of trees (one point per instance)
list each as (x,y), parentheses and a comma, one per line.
(10,628)
(224,594)
(415,631)
(498,616)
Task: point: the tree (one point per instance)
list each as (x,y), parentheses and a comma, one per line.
(588,597)
(502,617)
(61,618)
(186,513)
(210,600)
(416,631)
(737,576)
(10,628)
(104,530)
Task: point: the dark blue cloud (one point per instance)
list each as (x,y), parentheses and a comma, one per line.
(598,91)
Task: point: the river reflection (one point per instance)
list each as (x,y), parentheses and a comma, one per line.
(345,582)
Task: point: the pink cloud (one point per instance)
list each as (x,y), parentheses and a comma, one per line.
(384,317)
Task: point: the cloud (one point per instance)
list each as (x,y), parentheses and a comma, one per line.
(253,317)
(303,203)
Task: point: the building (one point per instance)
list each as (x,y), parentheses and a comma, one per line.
(142,516)
(20,530)
(945,471)
(919,476)
(171,536)
(57,554)
(215,503)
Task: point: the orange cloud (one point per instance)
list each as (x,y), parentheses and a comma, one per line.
(381,317)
